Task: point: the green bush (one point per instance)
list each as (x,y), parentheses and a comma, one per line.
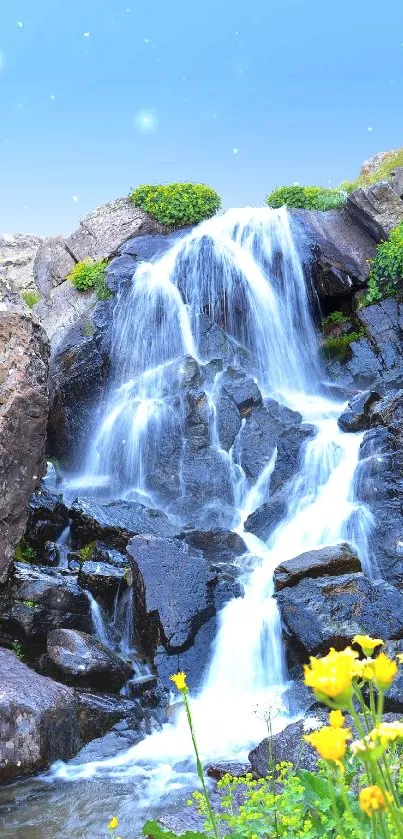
(386,274)
(177,204)
(24,552)
(382,173)
(334,319)
(307,197)
(338,347)
(31,297)
(90,276)
(86,552)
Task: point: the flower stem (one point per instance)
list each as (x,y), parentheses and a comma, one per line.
(200,767)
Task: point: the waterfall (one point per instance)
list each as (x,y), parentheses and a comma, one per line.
(243,272)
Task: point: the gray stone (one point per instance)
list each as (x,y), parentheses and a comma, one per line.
(328,611)
(103,580)
(115,522)
(62,309)
(17,255)
(24,406)
(330,561)
(52,264)
(396,180)
(38,719)
(288,746)
(103,232)
(79,659)
(377,209)
(357,417)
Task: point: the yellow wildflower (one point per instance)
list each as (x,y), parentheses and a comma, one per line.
(363,669)
(373,799)
(113,824)
(387,732)
(179,680)
(336,719)
(331,676)
(384,671)
(400,657)
(330,743)
(367,644)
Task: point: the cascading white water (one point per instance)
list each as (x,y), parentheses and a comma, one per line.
(243,271)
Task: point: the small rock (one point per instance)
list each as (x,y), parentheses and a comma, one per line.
(80,659)
(334,560)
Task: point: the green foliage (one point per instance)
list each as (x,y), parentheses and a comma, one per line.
(86,552)
(31,297)
(307,197)
(386,275)
(90,276)
(88,330)
(373,292)
(30,604)
(334,319)
(17,649)
(24,553)
(338,346)
(177,204)
(156,831)
(382,173)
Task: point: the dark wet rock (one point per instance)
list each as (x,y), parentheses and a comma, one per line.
(228,421)
(197,420)
(148,248)
(388,412)
(102,553)
(266,429)
(339,249)
(80,659)
(288,746)
(377,209)
(48,517)
(357,417)
(79,372)
(39,601)
(394,696)
(263,521)
(38,719)
(51,555)
(103,580)
(178,596)
(115,522)
(23,413)
(213,343)
(207,489)
(120,270)
(98,714)
(330,561)
(298,698)
(329,611)
(242,389)
(396,180)
(217,545)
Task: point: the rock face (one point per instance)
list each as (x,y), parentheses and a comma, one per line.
(338,559)
(38,719)
(178,629)
(115,522)
(17,256)
(79,659)
(329,611)
(357,417)
(38,602)
(284,746)
(23,416)
(48,517)
(102,232)
(377,209)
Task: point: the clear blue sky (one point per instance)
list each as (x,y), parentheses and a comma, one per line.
(97,96)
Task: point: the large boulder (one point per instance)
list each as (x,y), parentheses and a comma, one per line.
(356,417)
(53,262)
(38,719)
(329,561)
(98,713)
(178,595)
(104,581)
(103,232)
(37,602)
(263,521)
(328,611)
(115,522)
(396,180)
(79,659)
(48,517)
(288,746)
(23,415)
(17,256)
(377,209)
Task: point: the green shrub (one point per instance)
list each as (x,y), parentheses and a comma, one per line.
(24,553)
(306,197)
(90,276)
(86,552)
(17,649)
(338,347)
(177,204)
(386,274)
(334,319)
(31,297)
(382,173)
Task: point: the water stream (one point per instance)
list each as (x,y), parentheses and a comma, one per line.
(243,271)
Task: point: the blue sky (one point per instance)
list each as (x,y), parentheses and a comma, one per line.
(97,96)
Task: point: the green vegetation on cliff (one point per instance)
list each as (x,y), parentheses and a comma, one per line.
(386,274)
(382,172)
(177,204)
(306,197)
(90,276)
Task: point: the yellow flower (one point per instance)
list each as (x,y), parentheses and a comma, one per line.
(330,743)
(367,644)
(179,680)
(384,671)
(331,676)
(387,732)
(373,799)
(113,824)
(400,657)
(336,719)
(363,669)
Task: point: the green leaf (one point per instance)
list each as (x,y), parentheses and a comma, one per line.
(157,831)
